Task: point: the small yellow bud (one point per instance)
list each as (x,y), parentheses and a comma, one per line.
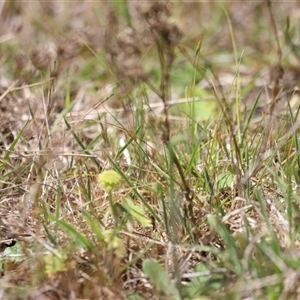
(108,180)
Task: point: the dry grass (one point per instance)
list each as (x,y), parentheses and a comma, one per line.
(194,106)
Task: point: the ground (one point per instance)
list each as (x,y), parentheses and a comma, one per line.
(149,150)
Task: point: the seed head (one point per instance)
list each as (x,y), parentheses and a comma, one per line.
(43,56)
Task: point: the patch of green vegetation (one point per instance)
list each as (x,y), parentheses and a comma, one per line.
(149,150)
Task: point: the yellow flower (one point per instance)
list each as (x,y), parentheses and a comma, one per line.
(109,179)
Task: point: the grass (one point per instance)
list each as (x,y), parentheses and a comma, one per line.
(148,155)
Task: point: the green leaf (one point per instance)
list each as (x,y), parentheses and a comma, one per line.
(213,281)
(135,190)
(14,143)
(224,180)
(15,253)
(135,296)
(208,281)
(11,256)
(159,278)
(95,226)
(77,237)
(137,212)
(199,110)
(232,251)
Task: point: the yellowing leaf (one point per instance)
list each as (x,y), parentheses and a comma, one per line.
(55,263)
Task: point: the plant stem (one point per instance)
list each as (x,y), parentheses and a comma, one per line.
(113,209)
